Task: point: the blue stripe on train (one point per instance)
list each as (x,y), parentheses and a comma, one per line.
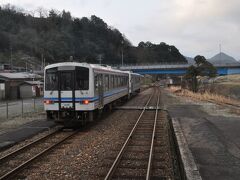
(91,99)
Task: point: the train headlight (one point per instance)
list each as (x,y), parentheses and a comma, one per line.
(48,102)
(85,102)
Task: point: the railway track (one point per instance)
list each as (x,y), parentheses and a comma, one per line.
(146,152)
(16,161)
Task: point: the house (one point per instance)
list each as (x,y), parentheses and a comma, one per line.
(4,67)
(29,89)
(10,83)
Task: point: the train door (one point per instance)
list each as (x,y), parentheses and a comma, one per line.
(128,86)
(66,90)
(132,83)
(100,90)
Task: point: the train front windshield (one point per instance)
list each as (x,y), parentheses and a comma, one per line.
(66,80)
(51,79)
(82,78)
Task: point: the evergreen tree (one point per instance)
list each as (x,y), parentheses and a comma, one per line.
(202,68)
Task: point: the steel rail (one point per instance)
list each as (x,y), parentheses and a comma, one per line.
(14,153)
(117,160)
(152,143)
(28,162)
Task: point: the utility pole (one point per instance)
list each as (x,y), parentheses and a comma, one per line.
(10,47)
(26,66)
(100,59)
(11,65)
(42,61)
(122,53)
(71,58)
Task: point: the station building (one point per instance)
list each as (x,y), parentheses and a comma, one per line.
(18,85)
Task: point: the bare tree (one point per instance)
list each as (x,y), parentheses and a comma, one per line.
(32,13)
(42,12)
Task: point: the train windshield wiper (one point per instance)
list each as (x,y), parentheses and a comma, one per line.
(52,90)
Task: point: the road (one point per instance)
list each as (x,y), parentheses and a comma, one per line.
(212,135)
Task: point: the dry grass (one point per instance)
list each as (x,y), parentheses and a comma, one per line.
(229,78)
(206,96)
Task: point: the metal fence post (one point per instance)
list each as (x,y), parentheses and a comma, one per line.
(34,104)
(7,108)
(22,107)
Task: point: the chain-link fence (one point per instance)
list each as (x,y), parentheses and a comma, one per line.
(10,109)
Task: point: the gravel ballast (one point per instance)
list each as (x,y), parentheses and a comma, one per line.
(83,156)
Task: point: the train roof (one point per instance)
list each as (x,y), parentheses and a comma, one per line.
(87,65)
(136,74)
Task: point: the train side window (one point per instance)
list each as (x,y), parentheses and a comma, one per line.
(82,78)
(121,81)
(115,82)
(111,82)
(96,83)
(106,85)
(108,81)
(118,81)
(113,86)
(108,77)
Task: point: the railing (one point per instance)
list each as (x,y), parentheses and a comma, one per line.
(11,109)
(147,64)
(167,65)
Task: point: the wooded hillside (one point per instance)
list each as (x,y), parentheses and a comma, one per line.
(57,35)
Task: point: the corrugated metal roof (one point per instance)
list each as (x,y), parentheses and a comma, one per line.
(21,75)
(34,82)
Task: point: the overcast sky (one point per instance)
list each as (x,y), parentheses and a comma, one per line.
(193,26)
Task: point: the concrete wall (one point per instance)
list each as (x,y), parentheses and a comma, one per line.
(26,91)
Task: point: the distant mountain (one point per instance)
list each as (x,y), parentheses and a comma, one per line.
(190,60)
(222,58)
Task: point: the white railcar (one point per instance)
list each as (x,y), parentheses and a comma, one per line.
(73,91)
(134,83)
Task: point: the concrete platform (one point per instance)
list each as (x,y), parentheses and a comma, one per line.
(23,132)
(208,136)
